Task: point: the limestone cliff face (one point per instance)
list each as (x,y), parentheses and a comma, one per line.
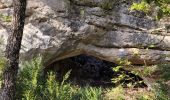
(106,29)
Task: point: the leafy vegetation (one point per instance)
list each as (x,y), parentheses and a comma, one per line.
(33,85)
(144,6)
(161,7)
(6,18)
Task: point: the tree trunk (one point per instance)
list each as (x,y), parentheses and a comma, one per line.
(12,50)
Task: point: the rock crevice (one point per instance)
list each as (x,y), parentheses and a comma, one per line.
(59,29)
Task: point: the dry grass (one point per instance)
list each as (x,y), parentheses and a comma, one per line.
(120,93)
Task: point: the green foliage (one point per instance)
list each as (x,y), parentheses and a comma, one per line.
(31,85)
(3,61)
(28,80)
(119,78)
(6,18)
(162,7)
(122,75)
(161,91)
(90,93)
(2,66)
(123,61)
(164,69)
(56,91)
(117,93)
(143,6)
(117,68)
(148,71)
(145,96)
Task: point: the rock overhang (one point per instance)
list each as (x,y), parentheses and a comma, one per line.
(69,28)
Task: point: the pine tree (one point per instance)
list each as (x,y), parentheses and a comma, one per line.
(12,50)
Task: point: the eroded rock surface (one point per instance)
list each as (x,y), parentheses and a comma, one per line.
(59,29)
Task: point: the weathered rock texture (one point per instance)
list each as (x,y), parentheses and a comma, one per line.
(106,29)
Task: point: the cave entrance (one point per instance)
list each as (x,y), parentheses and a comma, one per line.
(89,70)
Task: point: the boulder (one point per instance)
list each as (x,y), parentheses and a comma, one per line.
(106,29)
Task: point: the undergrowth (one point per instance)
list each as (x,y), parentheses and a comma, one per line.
(32,84)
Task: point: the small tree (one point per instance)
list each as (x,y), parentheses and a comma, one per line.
(12,50)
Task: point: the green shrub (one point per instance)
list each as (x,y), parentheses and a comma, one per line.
(117,93)
(32,86)
(161,7)
(55,91)
(29,81)
(90,93)
(161,91)
(143,6)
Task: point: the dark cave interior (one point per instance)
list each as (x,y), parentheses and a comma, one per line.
(89,70)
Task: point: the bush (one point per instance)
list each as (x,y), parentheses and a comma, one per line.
(161,91)
(31,85)
(29,82)
(89,93)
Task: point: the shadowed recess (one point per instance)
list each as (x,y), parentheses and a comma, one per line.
(89,70)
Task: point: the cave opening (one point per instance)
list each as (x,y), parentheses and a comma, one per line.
(89,70)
